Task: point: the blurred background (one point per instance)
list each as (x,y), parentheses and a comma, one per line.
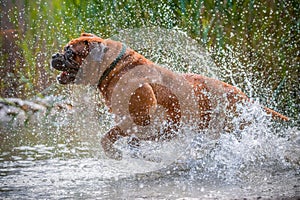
(255,41)
(50,133)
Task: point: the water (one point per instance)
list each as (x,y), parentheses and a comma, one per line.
(255,166)
(97,179)
(60,156)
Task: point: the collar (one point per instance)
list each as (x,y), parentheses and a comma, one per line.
(113,64)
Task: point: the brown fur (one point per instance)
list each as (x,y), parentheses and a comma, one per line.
(152,94)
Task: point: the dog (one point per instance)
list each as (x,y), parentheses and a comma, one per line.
(115,61)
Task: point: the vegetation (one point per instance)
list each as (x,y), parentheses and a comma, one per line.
(262,36)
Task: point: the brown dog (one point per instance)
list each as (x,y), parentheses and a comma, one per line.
(153,96)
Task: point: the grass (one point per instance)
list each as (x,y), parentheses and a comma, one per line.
(263,37)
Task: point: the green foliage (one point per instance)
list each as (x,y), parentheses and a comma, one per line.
(263,36)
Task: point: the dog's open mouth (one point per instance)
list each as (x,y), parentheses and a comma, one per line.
(66,78)
(68,67)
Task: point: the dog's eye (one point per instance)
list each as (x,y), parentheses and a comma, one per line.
(69,52)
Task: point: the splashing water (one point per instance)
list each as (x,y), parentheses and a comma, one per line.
(60,156)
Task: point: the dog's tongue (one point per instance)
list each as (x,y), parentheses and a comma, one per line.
(66,77)
(64,73)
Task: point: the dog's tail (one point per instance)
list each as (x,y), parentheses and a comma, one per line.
(276,115)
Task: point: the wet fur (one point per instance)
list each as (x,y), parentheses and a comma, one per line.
(150,95)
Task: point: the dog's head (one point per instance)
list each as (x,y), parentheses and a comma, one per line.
(73,56)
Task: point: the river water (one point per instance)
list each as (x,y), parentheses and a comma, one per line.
(60,157)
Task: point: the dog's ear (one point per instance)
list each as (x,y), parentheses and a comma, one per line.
(87,35)
(91,45)
(98,51)
(86,42)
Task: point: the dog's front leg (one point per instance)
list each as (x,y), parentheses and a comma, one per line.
(108,141)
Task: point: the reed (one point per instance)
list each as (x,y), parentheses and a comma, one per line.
(263,37)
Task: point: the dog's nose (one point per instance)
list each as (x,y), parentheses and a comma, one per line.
(55,55)
(57,61)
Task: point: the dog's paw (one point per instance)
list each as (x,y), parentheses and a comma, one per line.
(152,158)
(114,153)
(138,154)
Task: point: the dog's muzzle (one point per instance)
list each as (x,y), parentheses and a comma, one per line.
(69,71)
(58,62)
